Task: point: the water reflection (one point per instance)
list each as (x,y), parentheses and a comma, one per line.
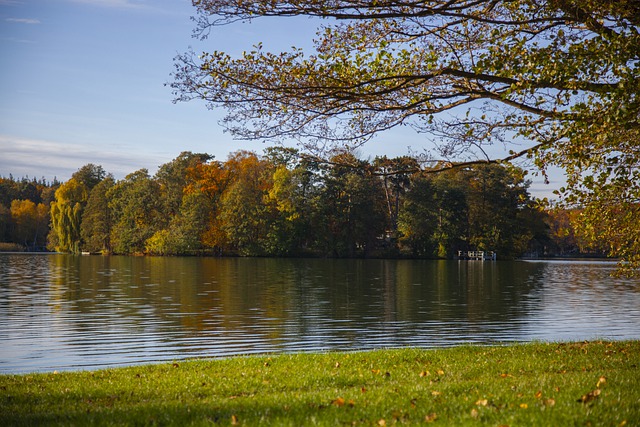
(65,312)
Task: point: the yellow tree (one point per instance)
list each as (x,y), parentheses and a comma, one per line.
(30,222)
(66,216)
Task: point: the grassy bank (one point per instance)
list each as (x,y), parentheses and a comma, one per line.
(533,384)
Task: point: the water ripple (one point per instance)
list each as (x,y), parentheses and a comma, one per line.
(63,312)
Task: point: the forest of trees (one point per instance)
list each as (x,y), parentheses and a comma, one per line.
(283,204)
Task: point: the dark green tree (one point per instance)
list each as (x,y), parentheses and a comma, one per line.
(89,175)
(396,177)
(418,219)
(497,197)
(97,219)
(350,208)
(136,207)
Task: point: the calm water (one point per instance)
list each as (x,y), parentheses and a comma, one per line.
(67,312)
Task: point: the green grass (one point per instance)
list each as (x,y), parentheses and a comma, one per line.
(581,384)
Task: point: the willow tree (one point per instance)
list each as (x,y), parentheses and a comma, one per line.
(556,81)
(66,216)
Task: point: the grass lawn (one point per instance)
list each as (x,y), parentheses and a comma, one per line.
(540,384)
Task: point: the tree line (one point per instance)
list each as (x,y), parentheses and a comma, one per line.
(24,212)
(281,203)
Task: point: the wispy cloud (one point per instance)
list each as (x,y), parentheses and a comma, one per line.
(15,40)
(29,21)
(118,4)
(37,158)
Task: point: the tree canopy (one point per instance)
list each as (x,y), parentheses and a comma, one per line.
(553,80)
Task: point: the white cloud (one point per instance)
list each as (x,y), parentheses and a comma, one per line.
(29,21)
(15,40)
(49,159)
(119,4)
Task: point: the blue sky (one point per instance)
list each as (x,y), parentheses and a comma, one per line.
(83,81)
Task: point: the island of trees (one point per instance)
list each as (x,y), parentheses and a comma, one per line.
(282,203)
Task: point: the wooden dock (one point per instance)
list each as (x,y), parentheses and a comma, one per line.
(477,255)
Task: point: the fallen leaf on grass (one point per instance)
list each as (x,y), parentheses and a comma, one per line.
(482,402)
(601,381)
(234,420)
(430,418)
(592,395)
(424,374)
(338,402)
(382,422)
(538,394)
(474,413)
(435,393)
(524,406)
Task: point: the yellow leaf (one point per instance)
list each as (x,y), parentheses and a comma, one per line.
(601,381)
(430,418)
(424,374)
(524,405)
(338,402)
(474,413)
(482,402)
(382,422)
(435,393)
(539,394)
(234,420)
(440,372)
(592,395)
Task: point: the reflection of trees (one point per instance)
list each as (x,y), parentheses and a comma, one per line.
(284,300)
(450,290)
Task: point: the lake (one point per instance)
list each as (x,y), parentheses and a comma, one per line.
(61,312)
